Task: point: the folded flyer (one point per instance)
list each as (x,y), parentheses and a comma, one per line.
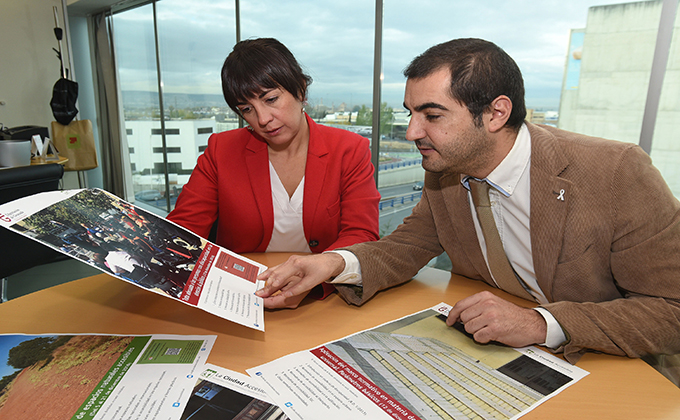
(137,246)
(228,395)
(414,368)
(99,377)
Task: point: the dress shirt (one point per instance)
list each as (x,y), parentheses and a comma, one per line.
(511,206)
(288,234)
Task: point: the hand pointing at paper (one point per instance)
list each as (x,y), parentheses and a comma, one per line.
(286,282)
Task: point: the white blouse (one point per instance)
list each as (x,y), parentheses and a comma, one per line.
(289,233)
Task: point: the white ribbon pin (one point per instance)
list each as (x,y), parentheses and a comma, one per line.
(561,196)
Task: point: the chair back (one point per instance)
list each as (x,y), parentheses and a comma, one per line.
(17,252)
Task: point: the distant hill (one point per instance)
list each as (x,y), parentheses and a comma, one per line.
(144,99)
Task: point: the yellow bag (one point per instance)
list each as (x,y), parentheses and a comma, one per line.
(75,142)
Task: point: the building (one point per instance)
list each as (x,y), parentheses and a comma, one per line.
(185,140)
(606,81)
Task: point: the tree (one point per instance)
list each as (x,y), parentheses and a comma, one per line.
(365,117)
(30,352)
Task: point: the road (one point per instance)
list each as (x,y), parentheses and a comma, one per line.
(391,217)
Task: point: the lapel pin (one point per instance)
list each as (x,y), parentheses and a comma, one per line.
(561,196)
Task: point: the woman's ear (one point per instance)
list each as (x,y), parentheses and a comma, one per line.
(499,113)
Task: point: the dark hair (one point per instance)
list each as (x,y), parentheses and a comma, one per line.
(480,72)
(259,64)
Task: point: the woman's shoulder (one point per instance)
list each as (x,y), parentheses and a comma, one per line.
(231,140)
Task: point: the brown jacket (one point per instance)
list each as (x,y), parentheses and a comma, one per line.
(607,257)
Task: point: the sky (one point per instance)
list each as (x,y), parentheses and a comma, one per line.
(334,41)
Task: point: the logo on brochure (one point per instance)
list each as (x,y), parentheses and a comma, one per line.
(175,404)
(289,404)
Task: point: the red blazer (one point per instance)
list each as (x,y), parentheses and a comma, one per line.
(231,184)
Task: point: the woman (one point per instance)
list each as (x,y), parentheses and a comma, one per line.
(284,183)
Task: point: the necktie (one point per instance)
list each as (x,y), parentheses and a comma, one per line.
(500,267)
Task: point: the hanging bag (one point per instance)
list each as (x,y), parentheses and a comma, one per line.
(75,141)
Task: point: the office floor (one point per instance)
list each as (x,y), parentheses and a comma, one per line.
(47,275)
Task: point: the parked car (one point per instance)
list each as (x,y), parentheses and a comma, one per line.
(418,185)
(148,195)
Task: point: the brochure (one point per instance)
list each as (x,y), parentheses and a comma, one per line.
(228,395)
(137,246)
(99,377)
(414,368)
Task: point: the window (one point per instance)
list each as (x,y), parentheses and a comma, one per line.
(586,66)
(168,131)
(193,41)
(167,150)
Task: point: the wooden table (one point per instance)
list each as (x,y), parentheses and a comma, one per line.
(616,388)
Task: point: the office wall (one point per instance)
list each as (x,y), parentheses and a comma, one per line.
(28,65)
(29,68)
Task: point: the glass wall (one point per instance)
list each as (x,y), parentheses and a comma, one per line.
(139,85)
(586,65)
(665,144)
(193,40)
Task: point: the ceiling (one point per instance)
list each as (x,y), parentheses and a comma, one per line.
(88,7)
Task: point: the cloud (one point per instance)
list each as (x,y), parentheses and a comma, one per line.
(334,41)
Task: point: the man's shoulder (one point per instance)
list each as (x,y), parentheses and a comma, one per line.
(559,149)
(574,142)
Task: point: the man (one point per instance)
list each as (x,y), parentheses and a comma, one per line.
(590,229)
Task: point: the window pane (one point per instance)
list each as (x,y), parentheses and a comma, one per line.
(665,144)
(336,51)
(194,38)
(136,56)
(537,36)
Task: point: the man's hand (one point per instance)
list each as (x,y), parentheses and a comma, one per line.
(490,318)
(296,277)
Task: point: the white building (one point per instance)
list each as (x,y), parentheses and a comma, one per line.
(606,80)
(185,141)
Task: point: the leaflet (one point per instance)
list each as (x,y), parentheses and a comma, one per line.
(225,394)
(99,377)
(413,368)
(137,246)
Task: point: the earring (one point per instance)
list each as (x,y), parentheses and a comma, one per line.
(250,128)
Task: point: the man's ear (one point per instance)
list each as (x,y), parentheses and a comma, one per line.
(499,113)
